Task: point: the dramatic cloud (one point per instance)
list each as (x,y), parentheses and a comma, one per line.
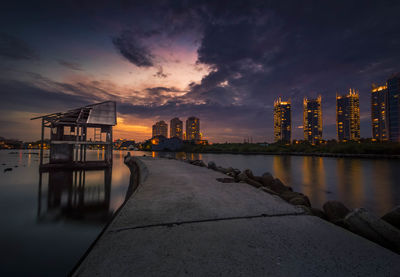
(132,49)
(246,53)
(14,48)
(70,65)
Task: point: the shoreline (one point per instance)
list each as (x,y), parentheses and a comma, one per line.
(332,155)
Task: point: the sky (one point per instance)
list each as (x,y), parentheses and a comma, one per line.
(222,61)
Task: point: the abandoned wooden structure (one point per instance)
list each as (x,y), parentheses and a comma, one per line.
(75,131)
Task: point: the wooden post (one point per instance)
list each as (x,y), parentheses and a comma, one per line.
(111,145)
(41,143)
(76,145)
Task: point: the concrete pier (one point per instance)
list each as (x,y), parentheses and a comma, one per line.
(182,221)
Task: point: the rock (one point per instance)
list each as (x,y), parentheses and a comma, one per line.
(258,179)
(300,200)
(287,195)
(231,174)
(236,171)
(202,164)
(8,169)
(335,210)
(253,183)
(222,170)
(242,177)
(212,165)
(365,224)
(226,180)
(393,217)
(267,190)
(267,179)
(277,186)
(249,173)
(306,209)
(319,213)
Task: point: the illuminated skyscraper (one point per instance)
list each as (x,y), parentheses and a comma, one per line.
(312,119)
(348,116)
(379,104)
(176,128)
(193,128)
(160,129)
(282,120)
(393,88)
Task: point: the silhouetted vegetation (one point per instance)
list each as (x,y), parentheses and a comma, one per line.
(332,147)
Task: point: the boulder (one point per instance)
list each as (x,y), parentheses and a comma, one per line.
(287,195)
(306,209)
(267,179)
(267,190)
(393,217)
(226,180)
(258,179)
(236,171)
(249,173)
(335,210)
(212,165)
(222,170)
(253,183)
(319,213)
(300,200)
(365,224)
(231,174)
(242,177)
(277,186)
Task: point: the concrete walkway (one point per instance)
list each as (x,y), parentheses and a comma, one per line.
(181,221)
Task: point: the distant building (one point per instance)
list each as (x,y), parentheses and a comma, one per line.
(282,120)
(160,129)
(393,88)
(312,119)
(161,143)
(379,114)
(348,116)
(193,128)
(176,128)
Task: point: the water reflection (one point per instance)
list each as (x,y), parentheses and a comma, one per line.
(74,195)
(314,182)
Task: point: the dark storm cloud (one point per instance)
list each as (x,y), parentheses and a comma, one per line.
(255,50)
(13,48)
(132,49)
(70,65)
(25,97)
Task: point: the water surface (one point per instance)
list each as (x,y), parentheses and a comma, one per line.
(50,219)
(370,183)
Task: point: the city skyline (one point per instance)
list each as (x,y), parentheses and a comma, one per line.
(226,62)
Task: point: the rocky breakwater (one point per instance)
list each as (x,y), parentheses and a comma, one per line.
(384,231)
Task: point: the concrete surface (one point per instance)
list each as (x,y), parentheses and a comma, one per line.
(181,221)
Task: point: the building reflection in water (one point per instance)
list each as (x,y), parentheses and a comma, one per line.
(74,195)
(381,187)
(282,168)
(349,184)
(314,179)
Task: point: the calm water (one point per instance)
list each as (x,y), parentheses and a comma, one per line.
(369,183)
(47,227)
(50,219)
